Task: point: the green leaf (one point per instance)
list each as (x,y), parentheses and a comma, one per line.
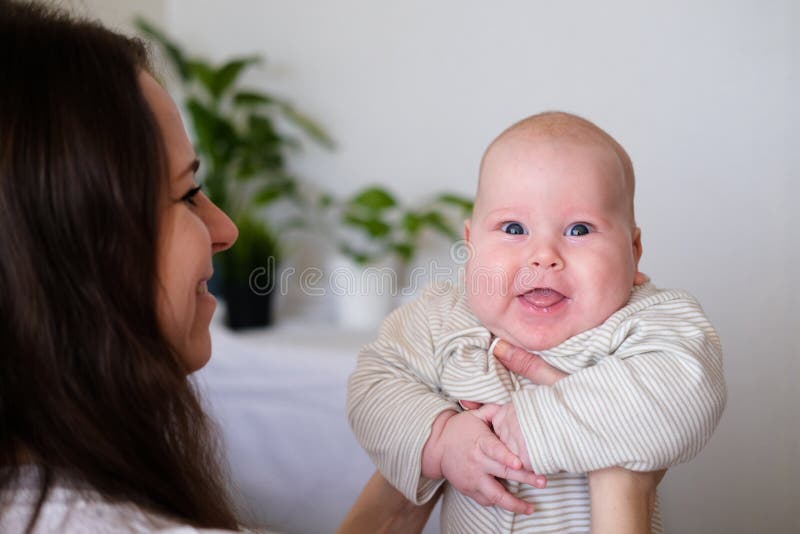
(228,73)
(273,190)
(437,222)
(204,73)
(216,136)
(266,195)
(172,50)
(293,223)
(214,183)
(404,250)
(456,200)
(263,148)
(250,99)
(412,223)
(373,227)
(358,257)
(374,199)
(306,124)
(262,130)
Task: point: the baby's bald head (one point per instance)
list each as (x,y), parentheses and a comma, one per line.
(557,126)
(554,250)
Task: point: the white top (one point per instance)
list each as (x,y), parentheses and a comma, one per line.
(72,508)
(645,391)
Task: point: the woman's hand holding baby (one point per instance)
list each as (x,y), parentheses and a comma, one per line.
(523,363)
(475,458)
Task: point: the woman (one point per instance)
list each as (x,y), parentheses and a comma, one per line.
(106,249)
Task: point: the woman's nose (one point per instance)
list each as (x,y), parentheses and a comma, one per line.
(221,228)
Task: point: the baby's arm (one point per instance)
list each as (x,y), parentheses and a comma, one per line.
(410,430)
(653,403)
(622,501)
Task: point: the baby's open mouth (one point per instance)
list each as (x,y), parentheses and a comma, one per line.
(543,297)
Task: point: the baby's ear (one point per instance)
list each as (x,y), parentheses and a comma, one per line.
(466,230)
(636,242)
(637,245)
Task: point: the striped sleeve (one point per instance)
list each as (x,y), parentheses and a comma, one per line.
(393,398)
(653,402)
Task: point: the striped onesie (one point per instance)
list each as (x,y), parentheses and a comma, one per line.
(649,394)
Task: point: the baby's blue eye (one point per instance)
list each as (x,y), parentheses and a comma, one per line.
(578,229)
(513,228)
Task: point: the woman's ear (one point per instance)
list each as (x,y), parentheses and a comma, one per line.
(466,230)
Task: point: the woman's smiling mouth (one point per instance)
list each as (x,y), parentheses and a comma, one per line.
(202,287)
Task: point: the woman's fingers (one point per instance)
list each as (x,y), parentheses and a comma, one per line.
(470,405)
(526,364)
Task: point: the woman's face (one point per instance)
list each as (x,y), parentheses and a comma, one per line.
(191,230)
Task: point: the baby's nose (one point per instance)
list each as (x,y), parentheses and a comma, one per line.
(547,259)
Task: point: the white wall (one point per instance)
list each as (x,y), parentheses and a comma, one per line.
(116,14)
(702,94)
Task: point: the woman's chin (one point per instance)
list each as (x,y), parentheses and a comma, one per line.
(197,353)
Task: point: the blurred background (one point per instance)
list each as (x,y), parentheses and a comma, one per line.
(702,94)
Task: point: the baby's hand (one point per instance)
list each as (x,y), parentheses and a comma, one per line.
(471,456)
(506,427)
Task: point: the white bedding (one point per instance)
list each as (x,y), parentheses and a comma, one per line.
(279,397)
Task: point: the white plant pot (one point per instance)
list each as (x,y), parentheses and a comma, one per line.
(364,294)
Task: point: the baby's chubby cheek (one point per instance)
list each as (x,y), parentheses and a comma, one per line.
(478,305)
(489,289)
(485,299)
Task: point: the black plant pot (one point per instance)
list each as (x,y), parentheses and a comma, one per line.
(247,308)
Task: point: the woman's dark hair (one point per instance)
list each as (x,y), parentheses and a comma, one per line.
(89,385)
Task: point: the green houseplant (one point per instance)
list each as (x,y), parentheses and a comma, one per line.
(379,226)
(243,170)
(379,236)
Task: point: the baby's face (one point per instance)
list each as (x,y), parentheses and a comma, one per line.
(555,250)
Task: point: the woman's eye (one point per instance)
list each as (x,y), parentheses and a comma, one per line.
(578,229)
(190,194)
(513,228)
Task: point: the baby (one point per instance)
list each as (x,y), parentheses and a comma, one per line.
(554,270)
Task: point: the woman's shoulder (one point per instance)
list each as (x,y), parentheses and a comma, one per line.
(70,507)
